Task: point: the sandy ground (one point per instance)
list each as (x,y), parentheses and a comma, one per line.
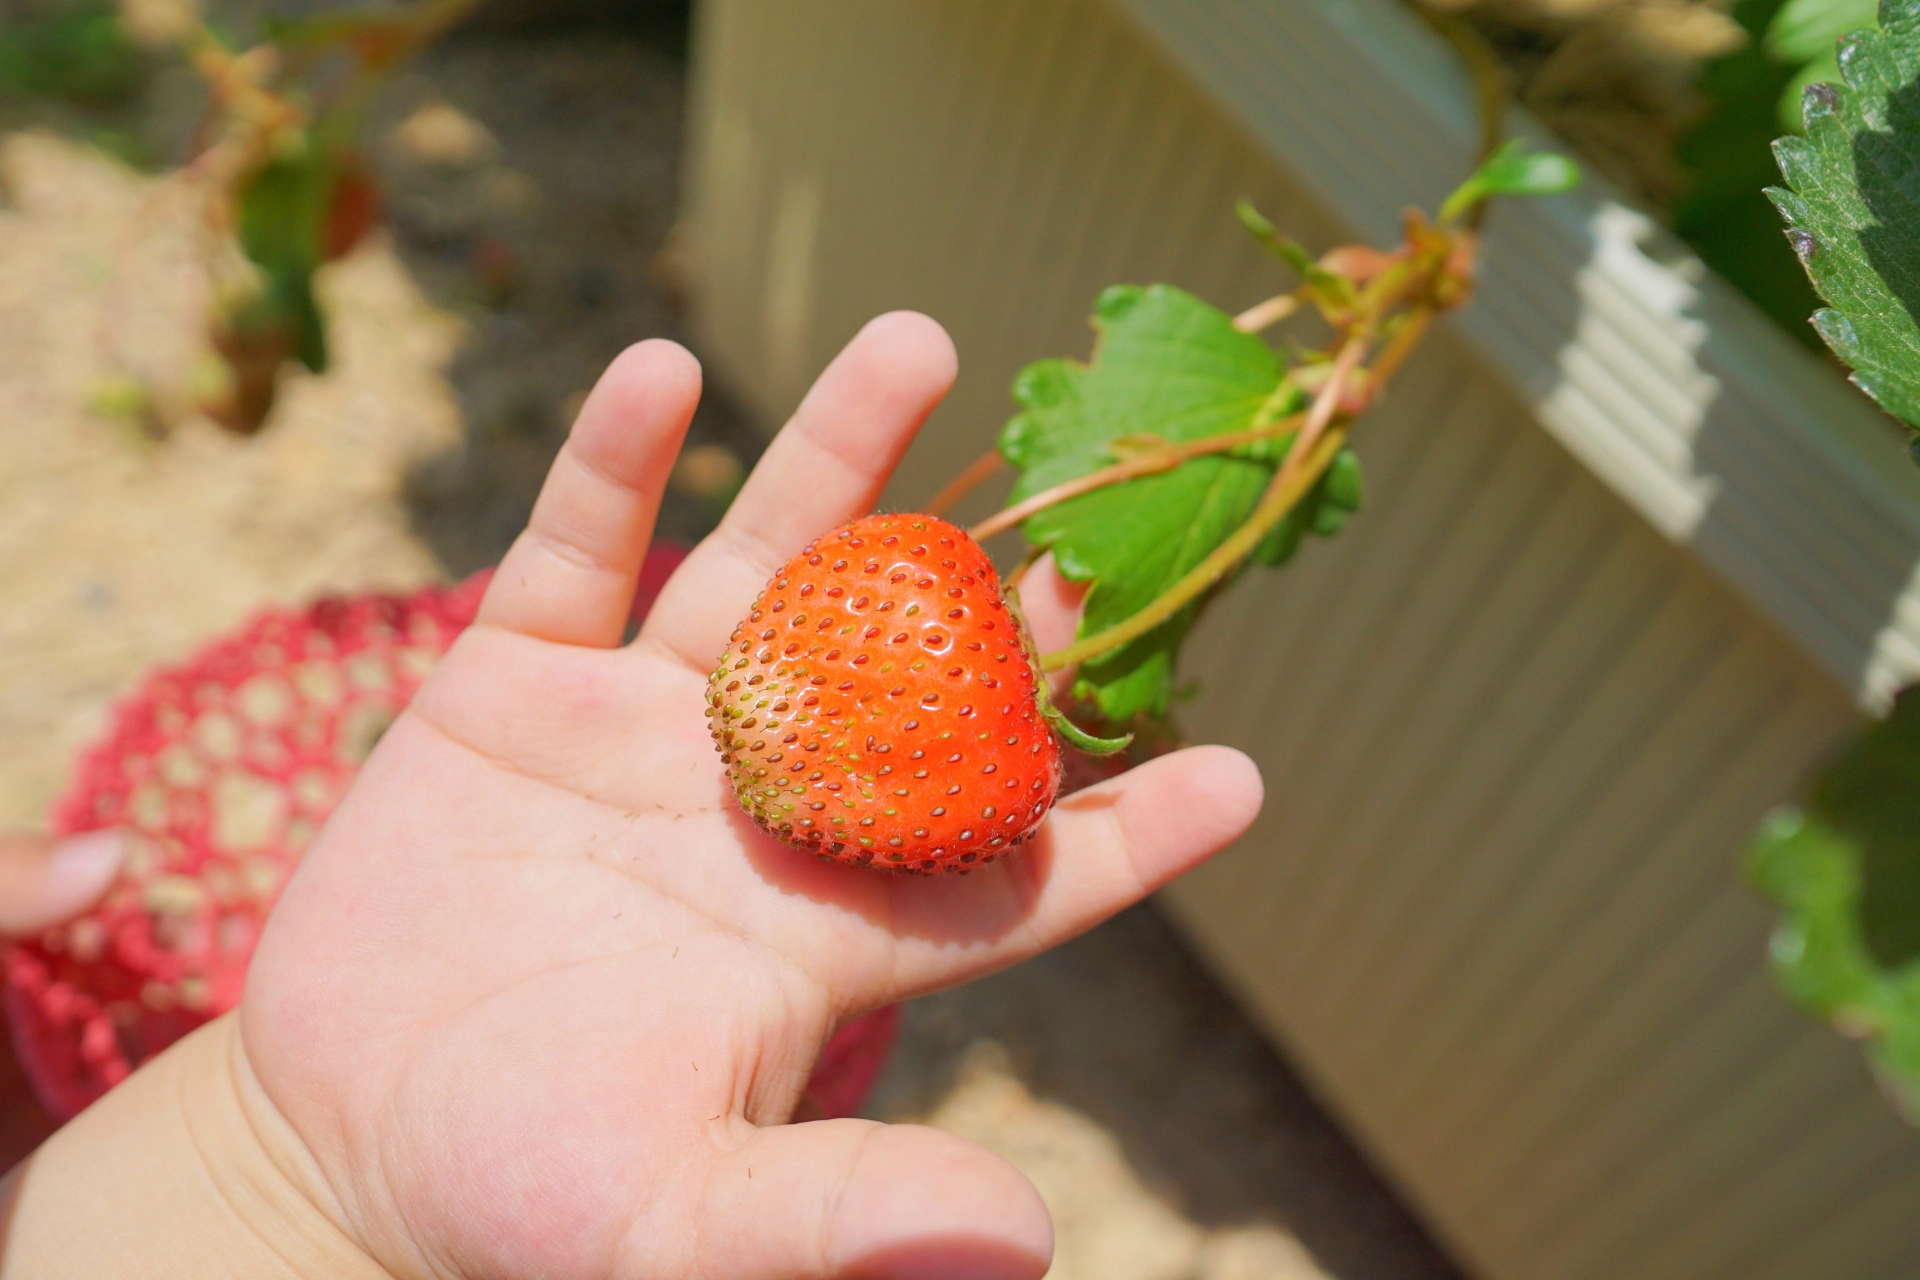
(1170,1142)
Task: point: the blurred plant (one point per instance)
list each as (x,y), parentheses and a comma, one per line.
(1677,102)
(279,181)
(78,53)
(1728,158)
(286,176)
(1616,78)
(1845,866)
(1805,34)
(1751,95)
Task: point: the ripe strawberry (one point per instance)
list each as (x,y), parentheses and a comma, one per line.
(880,705)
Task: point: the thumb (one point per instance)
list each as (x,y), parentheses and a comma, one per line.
(45,882)
(858,1200)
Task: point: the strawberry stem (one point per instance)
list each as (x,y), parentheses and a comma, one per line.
(1076,737)
(977,472)
(1272,509)
(1311,453)
(1151,462)
(1264,314)
(1073,734)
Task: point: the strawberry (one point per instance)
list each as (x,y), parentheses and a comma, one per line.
(880,703)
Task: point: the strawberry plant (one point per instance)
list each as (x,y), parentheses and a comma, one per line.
(279,178)
(881,703)
(1845,865)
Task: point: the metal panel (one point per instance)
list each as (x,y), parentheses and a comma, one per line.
(1514,738)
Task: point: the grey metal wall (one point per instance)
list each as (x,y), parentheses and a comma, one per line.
(1514,740)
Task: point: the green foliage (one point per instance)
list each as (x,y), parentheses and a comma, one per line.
(77,53)
(1166,365)
(1846,872)
(1806,33)
(282,219)
(1513,170)
(1729,158)
(1852,218)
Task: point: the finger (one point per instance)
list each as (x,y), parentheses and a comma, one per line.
(824,468)
(1101,850)
(1051,603)
(1052,606)
(45,882)
(856,1200)
(570,575)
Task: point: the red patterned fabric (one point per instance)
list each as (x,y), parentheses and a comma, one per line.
(851,1062)
(221,769)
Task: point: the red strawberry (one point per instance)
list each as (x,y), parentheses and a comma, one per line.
(880,706)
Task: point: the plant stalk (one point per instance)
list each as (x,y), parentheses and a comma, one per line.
(1149,463)
(1279,500)
(1311,453)
(977,472)
(1271,312)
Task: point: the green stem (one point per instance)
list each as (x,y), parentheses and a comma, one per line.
(1271,312)
(1075,736)
(1280,499)
(1147,464)
(978,471)
(1311,453)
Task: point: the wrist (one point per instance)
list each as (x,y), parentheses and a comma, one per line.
(184,1169)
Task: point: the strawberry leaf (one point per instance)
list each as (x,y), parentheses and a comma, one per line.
(281,218)
(1846,872)
(1170,366)
(1851,211)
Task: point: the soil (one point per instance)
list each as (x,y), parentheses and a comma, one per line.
(1168,1139)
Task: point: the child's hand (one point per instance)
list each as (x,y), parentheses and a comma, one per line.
(540,1000)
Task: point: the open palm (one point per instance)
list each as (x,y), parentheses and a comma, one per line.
(540,1000)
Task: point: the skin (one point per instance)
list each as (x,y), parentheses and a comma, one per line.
(540,1001)
(45,882)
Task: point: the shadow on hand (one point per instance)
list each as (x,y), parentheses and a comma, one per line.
(981,905)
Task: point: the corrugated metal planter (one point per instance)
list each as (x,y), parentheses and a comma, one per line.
(1631,561)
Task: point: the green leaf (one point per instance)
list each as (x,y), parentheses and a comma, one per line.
(281,217)
(1728,157)
(1513,170)
(1806,33)
(78,53)
(1805,30)
(1167,365)
(1846,872)
(1851,212)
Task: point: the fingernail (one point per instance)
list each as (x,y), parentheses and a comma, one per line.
(82,866)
